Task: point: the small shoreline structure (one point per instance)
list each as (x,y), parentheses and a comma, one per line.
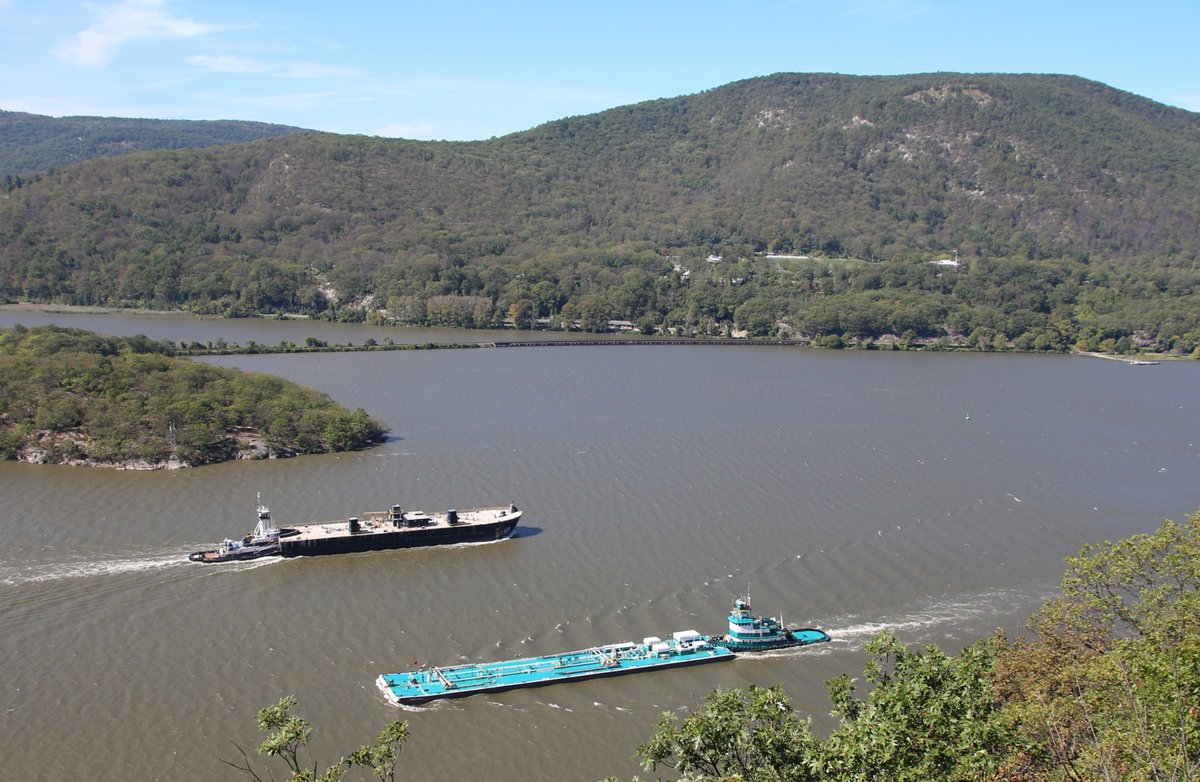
(375,531)
(1137,362)
(747,633)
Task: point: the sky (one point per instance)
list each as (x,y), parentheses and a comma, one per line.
(445,69)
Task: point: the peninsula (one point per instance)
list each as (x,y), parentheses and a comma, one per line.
(69,396)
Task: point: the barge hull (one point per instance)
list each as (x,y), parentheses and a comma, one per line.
(376,531)
(386,684)
(459,681)
(386,541)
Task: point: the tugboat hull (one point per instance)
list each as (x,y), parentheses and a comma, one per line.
(803,637)
(236,555)
(751,633)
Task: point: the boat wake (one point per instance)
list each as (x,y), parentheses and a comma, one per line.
(954,618)
(39,573)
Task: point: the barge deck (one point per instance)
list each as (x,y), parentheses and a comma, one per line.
(685,647)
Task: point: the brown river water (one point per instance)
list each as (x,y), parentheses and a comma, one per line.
(934,495)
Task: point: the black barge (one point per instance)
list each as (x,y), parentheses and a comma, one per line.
(375,531)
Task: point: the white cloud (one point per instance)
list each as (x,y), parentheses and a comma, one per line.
(125,22)
(420,130)
(229,64)
(93,106)
(295,101)
(888,11)
(312,70)
(1183,101)
(290,70)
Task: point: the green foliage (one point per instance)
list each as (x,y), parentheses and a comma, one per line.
(287,738)
(1110,686)
(1071,207)
(289,735)
(75,395)
(1108,689)
(752,735)
(928,716)
(382,756)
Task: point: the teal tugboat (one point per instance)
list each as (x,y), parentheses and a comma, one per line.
(686,647)
(750,633)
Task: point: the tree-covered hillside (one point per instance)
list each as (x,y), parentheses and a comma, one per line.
(71,396)
(30,143)
(667,214)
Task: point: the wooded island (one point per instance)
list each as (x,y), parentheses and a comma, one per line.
(69,396)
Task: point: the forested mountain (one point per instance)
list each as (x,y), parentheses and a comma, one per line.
(31,142)
(1071,206)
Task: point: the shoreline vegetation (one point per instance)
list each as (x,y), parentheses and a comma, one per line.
(45,414)
(617,336)
(229,349)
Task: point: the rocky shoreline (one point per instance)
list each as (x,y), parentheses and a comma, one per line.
(70,449)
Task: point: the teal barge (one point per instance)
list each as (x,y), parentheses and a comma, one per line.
(686,647)
(750,633)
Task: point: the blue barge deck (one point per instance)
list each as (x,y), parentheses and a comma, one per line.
(686,647)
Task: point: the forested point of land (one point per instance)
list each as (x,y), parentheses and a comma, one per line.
(69,396)
(986,211)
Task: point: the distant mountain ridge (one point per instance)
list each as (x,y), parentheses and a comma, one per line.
(886,164)
(614,213)
(32,142)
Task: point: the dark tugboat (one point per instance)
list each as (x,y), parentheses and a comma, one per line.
(262,542)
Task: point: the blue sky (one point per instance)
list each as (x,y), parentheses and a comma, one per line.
(473,70)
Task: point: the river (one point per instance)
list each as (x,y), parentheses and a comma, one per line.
(932,494)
